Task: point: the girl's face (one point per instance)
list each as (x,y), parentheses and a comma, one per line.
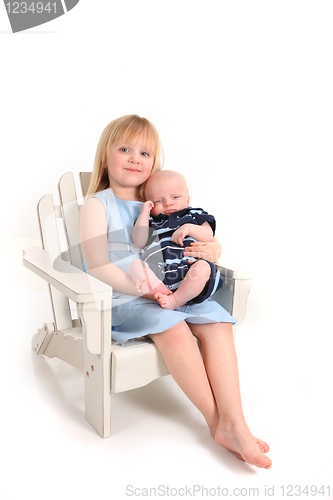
(129,163)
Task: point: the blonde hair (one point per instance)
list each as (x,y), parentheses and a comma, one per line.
(125,128)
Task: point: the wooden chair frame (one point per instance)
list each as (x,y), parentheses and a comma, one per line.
(85,341)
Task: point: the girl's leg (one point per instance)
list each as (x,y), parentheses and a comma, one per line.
(230,430)
(224,416)
(146,281)
(193,283)
(184,361)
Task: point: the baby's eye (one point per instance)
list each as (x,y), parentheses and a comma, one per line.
(157,201)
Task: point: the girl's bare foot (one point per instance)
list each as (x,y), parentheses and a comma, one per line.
(241,443)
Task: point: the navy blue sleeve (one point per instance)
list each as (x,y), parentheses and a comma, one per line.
(200,216)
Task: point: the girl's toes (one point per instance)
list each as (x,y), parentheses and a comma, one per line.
(264,462)
(263,446)
(269,465)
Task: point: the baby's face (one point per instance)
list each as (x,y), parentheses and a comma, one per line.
(168,192)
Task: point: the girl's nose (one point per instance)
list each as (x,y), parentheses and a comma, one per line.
(135,158)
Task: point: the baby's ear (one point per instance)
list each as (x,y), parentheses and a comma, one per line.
(188,201)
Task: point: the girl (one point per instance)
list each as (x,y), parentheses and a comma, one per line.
(128,153)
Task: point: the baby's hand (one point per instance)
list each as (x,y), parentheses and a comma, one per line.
(146,207)
(180,234)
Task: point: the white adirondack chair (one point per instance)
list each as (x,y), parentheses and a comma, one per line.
(85,342)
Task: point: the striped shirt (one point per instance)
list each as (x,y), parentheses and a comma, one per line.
(163,256)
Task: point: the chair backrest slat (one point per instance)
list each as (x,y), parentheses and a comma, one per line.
(85,179)
(50,240)
(70,213)
(48,215)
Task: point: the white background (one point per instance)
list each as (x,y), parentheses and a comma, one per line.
(241,94)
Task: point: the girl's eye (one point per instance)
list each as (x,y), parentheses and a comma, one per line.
(125,150)
(145,154)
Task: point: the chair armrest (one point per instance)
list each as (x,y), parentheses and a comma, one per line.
(231,273)
(69,280)
(234,293)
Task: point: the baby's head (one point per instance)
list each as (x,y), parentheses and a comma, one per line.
(168,191)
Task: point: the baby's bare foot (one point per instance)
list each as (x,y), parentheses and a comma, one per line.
(243,445)
(150,284)
(143,285)
(166,301)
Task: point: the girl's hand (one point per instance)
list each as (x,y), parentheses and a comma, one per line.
(210,250)
(146,207)
(180,234)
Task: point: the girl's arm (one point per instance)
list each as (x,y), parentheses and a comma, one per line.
(141,227)
(93,235)
(202,233)
(204,250)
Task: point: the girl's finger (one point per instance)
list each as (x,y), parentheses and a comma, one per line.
(194,251)
(197,244)
(196,255)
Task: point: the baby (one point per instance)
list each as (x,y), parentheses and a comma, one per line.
(165,225)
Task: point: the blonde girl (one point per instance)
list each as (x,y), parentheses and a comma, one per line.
(128,153)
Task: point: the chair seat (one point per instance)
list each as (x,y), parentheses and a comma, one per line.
(135,364)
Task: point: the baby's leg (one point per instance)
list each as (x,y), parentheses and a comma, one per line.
(193,283)
(144,278)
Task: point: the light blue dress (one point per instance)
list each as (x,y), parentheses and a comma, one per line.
(134,317)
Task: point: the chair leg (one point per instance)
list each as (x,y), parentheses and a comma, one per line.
(97,367)
(42,338)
